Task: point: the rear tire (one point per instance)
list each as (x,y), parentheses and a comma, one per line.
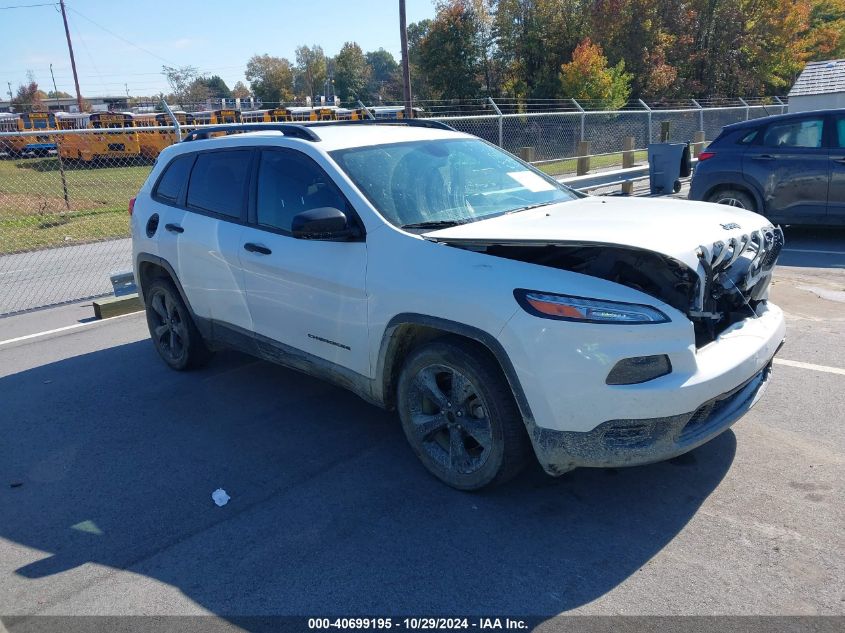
(175,336)
(459,415)
(733,198)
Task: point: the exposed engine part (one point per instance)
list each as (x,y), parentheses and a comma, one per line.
(737,278)
(657,275)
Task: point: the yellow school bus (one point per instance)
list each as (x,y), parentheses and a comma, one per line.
(276,115)
(39,145)
(347,114)
(216,117)
(255,116)
(394,112)
(153,141)
(325,113)
(101,145)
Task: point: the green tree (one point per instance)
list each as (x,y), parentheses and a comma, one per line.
(385,77)
(183,84)
(311,70)
(351,72)
(533,39)
(417,33)
(825,38)
(270,78)
(52,94)
(449,54)
(643,33)
(240,91)
(217,88)
(588,77)
(28,97)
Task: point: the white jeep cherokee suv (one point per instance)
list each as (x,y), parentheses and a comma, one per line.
(431,272)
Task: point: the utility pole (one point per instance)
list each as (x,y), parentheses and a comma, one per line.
(9,83)
(406,69)
(72,60)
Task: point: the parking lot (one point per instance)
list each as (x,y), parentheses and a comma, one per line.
(110,459)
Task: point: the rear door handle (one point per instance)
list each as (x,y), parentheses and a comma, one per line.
(763,157)
(841,161)
(257,248)
(174,228)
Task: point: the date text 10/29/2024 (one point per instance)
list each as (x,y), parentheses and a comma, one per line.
(421,623)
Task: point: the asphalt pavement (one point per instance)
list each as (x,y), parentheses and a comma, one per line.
(109,460)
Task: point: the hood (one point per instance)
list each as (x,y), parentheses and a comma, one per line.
(678,228)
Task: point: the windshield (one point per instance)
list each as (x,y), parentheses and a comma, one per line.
(444,182)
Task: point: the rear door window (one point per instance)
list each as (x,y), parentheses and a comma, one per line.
(218,182)
(840,132)
(801,133)
(173,180)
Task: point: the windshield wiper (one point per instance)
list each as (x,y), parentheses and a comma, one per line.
(529,206)
(433,224)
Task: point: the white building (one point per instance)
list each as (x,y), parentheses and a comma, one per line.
(820,86)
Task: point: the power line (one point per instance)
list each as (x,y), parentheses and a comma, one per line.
(90,57)
(28,6)
(122,39)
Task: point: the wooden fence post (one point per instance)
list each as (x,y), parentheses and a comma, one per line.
(698,143)
(628,152)
(664,131)
(526,154)
(583,158)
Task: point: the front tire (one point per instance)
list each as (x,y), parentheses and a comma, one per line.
(172,329)
(459,415)
(733,198)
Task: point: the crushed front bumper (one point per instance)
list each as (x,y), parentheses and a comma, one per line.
(618,443)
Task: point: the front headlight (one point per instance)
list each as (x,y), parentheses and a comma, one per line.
(567,308)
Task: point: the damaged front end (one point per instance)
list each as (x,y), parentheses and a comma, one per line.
(732,278)
(736,278)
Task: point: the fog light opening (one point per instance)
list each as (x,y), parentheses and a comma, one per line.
(639,369)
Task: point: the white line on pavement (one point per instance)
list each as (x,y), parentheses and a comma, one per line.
(75,326)
(809,250)
(800,365)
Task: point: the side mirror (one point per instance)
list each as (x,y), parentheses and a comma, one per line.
(322,223)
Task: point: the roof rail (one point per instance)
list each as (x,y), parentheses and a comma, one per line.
(430,123)
(301,129)
(288,129)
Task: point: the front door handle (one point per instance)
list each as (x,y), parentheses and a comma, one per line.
(841,161)
(174,228)
(257,248)
(763,157)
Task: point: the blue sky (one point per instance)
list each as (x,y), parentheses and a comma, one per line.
(117,42)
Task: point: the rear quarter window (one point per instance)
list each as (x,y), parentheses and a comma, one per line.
(744,136)
(172,182)
(748,138)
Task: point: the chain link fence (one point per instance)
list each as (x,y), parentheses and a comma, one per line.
(64,194)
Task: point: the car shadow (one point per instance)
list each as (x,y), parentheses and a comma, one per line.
(114,459)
